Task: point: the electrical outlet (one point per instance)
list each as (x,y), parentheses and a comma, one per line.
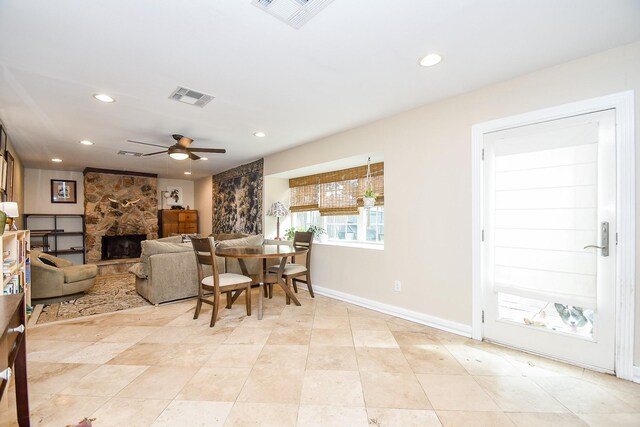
(397,286)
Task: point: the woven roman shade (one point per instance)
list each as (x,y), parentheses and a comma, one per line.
(335,193)
(339,197)
(303,193)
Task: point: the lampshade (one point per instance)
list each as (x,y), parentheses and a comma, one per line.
(278,210)
(10,208)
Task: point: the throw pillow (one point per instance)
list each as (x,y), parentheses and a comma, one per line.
(138,269)
(47,261)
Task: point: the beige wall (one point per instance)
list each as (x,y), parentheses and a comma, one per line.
(18,182)
(37,184)
(427,154)
(203,189)
(278,192)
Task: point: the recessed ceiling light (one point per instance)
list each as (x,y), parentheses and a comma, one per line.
(260,134)
(103,97)
(430,60)
(204,158)
(187,173)
(56,160)
(86,142)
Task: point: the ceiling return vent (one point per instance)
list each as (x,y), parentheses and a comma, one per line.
(296,13)
(190,97)
(129,153)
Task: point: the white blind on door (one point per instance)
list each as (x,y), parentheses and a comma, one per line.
(545,213)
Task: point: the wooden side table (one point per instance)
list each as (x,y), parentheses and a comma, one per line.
(13,353)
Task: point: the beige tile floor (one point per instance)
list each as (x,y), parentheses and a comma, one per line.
(326,363)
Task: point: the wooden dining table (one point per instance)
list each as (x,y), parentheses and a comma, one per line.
(264,252)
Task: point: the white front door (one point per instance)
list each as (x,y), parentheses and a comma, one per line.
(549,197)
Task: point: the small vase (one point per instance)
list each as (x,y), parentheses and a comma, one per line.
(369,202)
(3,222)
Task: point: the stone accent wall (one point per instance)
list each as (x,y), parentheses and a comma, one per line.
(237,199)
(104,217)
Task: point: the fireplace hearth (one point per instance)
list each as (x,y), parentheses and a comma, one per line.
(124,246)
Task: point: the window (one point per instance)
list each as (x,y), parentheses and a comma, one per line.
(333,201)
(342,227)
(375,229)
(365,227)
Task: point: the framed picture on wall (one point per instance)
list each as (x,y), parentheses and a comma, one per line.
(3,175)
(10,177)
(3,141)
(174,196)
(63,191)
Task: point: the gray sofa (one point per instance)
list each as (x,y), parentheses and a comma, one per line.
(167,269)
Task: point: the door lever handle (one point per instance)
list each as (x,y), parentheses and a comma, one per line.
(594,246)
(604,240)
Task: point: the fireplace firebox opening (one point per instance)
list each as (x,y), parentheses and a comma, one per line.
(124,246)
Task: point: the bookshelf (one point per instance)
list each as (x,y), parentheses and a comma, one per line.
(16,268)
(61,235)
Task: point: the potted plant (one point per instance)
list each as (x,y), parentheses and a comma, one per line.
(317,232)
(369,197)
(289,233)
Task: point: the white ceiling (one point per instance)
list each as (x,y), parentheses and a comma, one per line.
(353,63)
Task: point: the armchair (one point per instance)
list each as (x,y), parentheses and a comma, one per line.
(61,281)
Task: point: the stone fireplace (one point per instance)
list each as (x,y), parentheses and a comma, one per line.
(118,203)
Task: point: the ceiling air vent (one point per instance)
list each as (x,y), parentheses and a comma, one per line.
(129,153)
(294,12)
(190,97)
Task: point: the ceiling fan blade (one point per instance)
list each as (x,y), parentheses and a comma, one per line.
(153,154)
(146,143)
(193,156)
(208,150)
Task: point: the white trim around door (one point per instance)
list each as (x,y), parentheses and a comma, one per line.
(623,103)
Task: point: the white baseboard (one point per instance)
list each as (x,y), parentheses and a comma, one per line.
(636,374)
(413,316)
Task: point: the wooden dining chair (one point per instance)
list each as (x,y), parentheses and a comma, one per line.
(293,271)
(217,283)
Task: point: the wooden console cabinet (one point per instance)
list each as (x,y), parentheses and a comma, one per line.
(174,221)
(13,353)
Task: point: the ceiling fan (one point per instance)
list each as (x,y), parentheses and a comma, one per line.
(180,150)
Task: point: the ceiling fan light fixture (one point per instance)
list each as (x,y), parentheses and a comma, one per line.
(178,153)
(179,156)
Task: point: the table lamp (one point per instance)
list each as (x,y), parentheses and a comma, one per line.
(278,210)
(11,210)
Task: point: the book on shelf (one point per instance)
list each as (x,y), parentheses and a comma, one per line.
(14,286)
(27,271)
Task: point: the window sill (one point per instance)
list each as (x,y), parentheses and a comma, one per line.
(360,245)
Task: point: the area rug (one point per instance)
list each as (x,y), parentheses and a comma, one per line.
(110,293)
